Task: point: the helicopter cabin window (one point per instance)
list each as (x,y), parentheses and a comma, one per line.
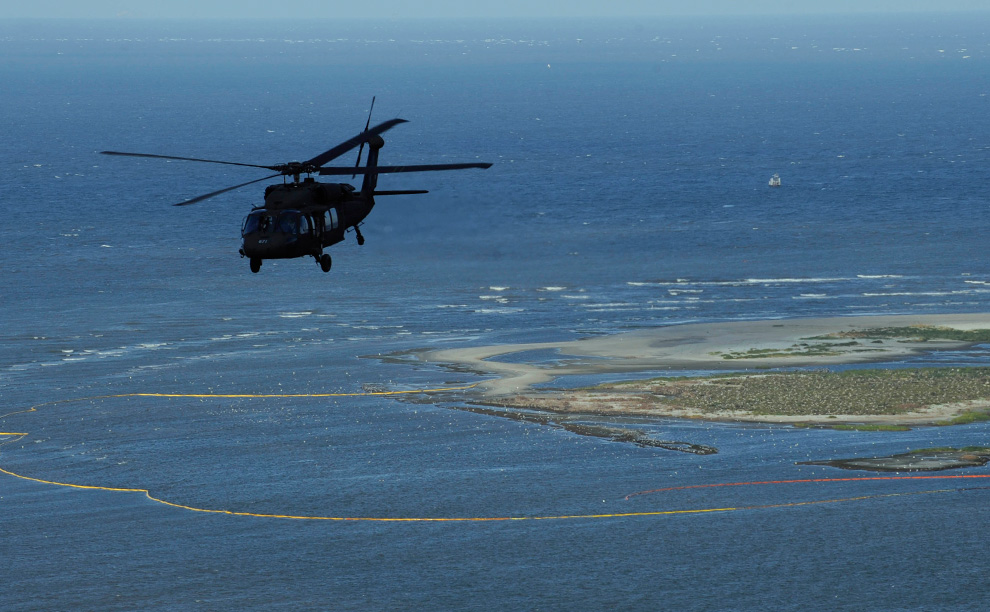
(331,219)
(288,223)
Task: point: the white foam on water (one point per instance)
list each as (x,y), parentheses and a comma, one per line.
(499,310)
(925,293)
(295,315)
(775,281)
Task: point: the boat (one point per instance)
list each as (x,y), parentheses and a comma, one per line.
(775,180)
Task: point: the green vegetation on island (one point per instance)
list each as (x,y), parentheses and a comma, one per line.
(914,333)
(843,342)
(823,392)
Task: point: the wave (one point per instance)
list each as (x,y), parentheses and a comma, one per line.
(499,310)
(925,293)
(610,305)
(775,281)
(681,283)
(295,315)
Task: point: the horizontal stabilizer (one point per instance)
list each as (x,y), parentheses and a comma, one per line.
(393,169)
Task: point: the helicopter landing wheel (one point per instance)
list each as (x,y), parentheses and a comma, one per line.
(360,237)
(255,264)
(325,262)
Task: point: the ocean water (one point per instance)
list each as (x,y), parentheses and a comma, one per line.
(629,190)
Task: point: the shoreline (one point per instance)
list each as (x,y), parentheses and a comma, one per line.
(753,347)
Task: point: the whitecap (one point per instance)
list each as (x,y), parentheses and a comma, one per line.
(613,309)
(451,338)
(915,293)
(770,281)
(609,305)
(498,310)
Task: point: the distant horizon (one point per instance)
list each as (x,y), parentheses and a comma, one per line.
(458,9)
(541,18)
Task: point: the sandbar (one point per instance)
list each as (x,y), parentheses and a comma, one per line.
(755,346)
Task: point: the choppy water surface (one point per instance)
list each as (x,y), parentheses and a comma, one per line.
(629,190)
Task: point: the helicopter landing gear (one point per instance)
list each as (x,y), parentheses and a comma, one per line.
(325,262)
(360,237)
(255,264)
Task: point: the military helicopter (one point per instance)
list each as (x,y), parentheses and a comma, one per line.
(302,217)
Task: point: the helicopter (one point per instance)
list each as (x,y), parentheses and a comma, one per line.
(300,218)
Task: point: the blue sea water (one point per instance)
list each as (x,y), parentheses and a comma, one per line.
(629,190)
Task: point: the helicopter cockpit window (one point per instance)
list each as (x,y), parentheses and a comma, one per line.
(256,222)
(288,223)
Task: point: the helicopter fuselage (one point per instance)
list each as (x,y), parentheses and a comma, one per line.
(301,219)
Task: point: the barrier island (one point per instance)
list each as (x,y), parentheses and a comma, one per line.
(766,371)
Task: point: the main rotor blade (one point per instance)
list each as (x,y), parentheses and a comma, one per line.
(195,159)
(206,196)
(399,192)
(349,144)
(393,169)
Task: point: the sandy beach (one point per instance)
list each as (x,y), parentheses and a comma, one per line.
(731,346)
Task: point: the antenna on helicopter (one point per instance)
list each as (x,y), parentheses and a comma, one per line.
(368,123)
